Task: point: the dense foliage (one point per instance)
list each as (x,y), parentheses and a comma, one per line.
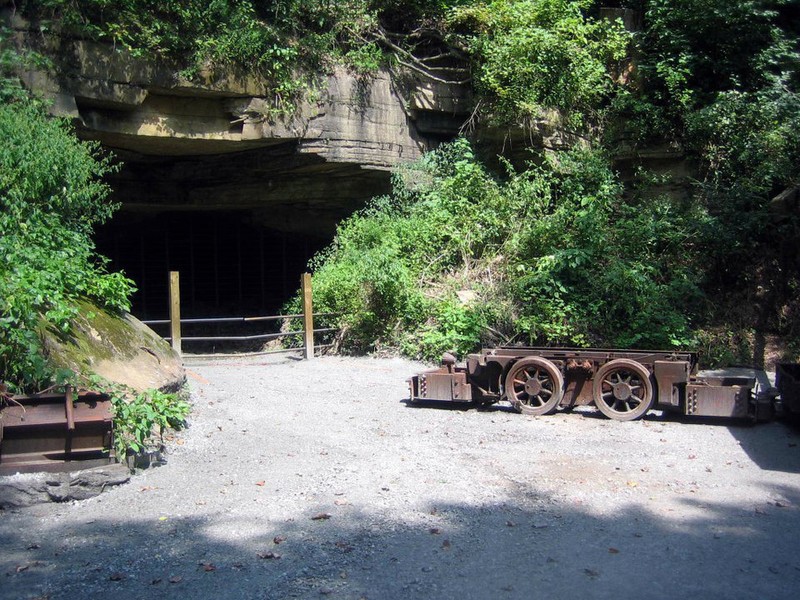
(535,55)
(51,196)
(561,249)
(721,80)
(456,257)
(564,251)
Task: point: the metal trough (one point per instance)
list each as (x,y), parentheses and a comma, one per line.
(55,432)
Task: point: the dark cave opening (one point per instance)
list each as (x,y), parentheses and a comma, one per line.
(228,264)
(239,226)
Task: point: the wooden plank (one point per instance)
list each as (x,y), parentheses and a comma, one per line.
(70,408)
(308,317)
(175,310)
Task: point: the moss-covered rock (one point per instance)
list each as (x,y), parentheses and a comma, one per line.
(117,347)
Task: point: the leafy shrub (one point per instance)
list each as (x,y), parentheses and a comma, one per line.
(454,327)
(554,252)
(533,55)
(51,196)
(140,419)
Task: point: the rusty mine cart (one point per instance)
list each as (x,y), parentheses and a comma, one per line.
(622,384)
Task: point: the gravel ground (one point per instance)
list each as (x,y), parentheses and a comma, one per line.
(315,479)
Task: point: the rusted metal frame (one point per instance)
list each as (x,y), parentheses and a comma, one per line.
(674,387)
(52,431)
(602,354)
(578,366)
(567,360)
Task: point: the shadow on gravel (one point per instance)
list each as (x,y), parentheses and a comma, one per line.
(438,404)
(772,446)
(457,406)
(450,551)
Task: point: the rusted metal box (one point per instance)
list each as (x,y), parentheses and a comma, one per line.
(55,432)
(441,384)
(709,399)
(670,376)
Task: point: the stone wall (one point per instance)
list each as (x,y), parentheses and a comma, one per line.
(211,144)
(137,104)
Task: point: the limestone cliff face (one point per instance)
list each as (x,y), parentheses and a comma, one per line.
(146,107)
(210,143)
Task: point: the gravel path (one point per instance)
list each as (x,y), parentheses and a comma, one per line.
(315,479)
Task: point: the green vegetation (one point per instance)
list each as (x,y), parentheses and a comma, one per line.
(535,55)
(721,79)
(564,251)
(560,249)
(51,196)
(552,253)
(140,419)
(137,418)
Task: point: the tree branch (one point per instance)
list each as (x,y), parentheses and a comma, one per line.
(419,65)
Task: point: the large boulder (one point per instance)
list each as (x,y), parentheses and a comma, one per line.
(118,347)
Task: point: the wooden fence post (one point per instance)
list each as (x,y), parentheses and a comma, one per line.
(175,310)
(308,317)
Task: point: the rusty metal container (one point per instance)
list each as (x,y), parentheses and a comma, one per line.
(55,432)
(710,399)
(441,384)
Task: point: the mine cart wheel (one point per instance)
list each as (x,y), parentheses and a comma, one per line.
(622,390)
(534,386)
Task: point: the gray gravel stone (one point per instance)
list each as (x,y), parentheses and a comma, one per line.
(424,502)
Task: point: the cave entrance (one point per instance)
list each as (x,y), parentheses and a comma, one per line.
(229,264)
(239,226)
